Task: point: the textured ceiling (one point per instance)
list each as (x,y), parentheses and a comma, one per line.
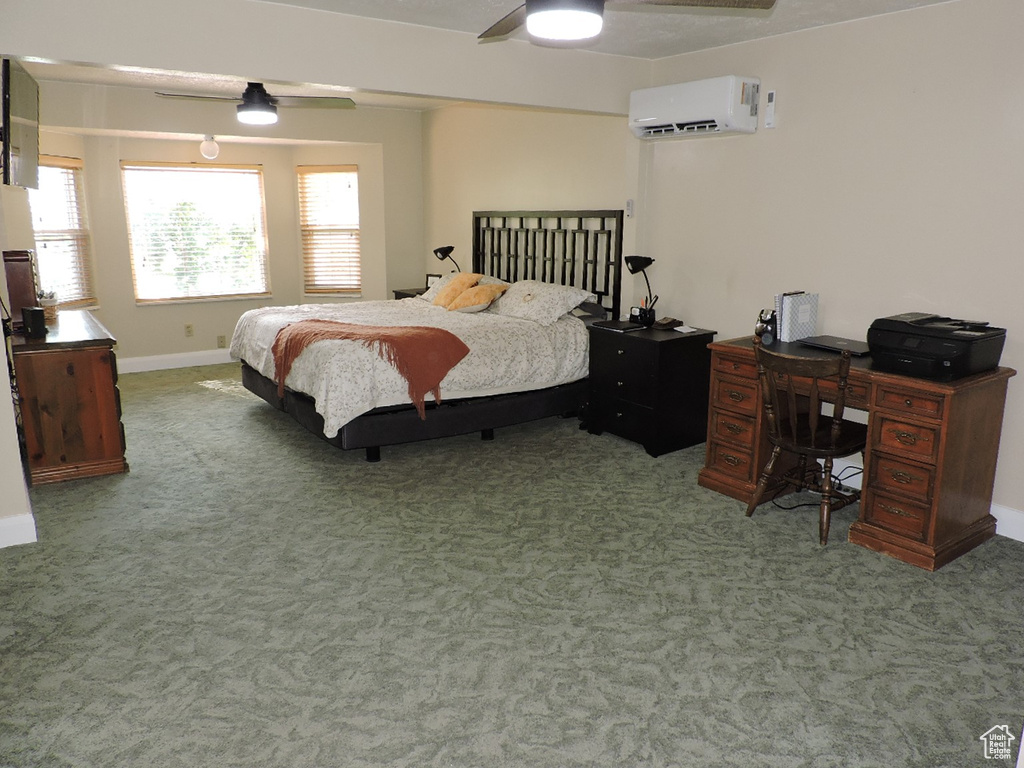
(647,32)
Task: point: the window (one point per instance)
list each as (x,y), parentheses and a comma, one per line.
(329,220)
(62,232)
(195,231)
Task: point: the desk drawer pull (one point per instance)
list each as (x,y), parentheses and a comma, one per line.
(732,461)
(736,397)
(733,429)
(906,438)
(905,478)
(898,512)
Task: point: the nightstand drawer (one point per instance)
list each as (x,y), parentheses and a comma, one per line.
(631,421)
(636,385)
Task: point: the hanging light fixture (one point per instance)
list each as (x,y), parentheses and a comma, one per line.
(209,148)
(257,107)
(564,19)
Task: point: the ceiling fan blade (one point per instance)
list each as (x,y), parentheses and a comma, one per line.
(196,96)
(319,102)
(761,5)
(506,26)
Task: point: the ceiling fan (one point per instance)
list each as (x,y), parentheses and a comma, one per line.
(582,19)
(258,107)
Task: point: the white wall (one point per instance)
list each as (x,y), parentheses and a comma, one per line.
(892,183)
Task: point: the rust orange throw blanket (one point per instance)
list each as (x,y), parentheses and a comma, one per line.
(423,355)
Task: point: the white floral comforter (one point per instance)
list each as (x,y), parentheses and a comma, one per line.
(346,378)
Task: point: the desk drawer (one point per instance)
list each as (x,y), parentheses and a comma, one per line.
(910,401)
(916,441)
(734,395)
(733,428)
(901,478)
(731,366)
(732,461)
(897,515)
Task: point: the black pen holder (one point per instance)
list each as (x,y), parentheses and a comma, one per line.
(643,315)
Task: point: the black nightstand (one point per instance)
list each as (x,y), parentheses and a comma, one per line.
(650,387)
(408,293)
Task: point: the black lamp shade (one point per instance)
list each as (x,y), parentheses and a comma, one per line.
(445,252)
(638,263)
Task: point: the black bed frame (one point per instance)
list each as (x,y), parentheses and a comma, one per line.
(578,248)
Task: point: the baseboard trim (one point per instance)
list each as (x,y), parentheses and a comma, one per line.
(1009,522)
(165,362)
(17,529)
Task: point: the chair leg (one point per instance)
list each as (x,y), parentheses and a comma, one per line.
(762,484)
(826,501)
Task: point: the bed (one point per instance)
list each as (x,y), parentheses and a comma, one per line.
(516,369)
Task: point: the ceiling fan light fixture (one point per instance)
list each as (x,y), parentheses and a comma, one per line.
(257,107)
(564,19)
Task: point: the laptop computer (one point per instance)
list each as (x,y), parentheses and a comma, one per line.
(837,344)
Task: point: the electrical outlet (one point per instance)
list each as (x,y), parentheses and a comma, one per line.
(222,342)
(189,330)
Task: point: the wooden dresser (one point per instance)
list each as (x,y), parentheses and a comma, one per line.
(649,386)
(70,405)
(930,461)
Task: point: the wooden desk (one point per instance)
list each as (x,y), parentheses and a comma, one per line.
(70,406)
(930,461)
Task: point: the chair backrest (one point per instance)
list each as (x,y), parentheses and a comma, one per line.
(791,388)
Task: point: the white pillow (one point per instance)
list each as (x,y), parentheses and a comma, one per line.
(540,302)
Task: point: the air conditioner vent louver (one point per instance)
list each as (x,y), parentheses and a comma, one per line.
(701,108)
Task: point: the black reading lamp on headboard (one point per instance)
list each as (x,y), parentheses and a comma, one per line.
(640,264)
(445,252)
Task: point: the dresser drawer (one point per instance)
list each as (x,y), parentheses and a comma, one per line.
(732,428)
(731,460)
(621,368)
(733,395)
(898,515)
(910,401)
(902,478)
(916,441)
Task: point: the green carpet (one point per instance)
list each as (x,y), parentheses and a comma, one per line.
(251,596)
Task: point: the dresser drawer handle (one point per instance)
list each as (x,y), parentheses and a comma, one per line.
(736,397)
(908,402)
(619,383)
(902,477)
(732,461)
(906,438)
(735,366)
(733,429)
(620,351)
(898,512)
(618,415)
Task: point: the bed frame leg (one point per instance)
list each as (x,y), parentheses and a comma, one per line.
(487,434)
(373,453)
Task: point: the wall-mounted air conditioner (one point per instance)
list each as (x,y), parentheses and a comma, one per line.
(701,108)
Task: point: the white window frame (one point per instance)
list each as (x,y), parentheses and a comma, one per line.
(331,246)
(78,289)
(143,276)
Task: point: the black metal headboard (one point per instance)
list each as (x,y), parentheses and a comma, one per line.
(578,248)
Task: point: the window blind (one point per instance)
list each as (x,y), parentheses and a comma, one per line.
(61,232)
(329,222)
(195,231)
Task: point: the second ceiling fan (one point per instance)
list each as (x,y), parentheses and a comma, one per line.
(582,19)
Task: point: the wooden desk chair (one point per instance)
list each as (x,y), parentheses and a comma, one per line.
(792,389)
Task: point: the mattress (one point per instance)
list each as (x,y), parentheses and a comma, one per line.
(346,378)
